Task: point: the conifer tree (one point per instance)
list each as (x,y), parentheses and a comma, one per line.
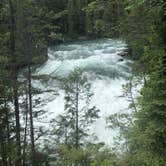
(73,126)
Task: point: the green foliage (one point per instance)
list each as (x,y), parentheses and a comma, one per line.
(72,127)
(73,156)
(74,18)
(146,133)
(90,155)
(142,23)
(104,158)
(103,18)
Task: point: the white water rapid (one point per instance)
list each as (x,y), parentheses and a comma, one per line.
(107,72)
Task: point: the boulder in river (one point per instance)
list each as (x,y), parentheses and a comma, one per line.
(120,60)
(123,54)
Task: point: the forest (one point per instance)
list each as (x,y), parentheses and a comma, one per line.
(82,83)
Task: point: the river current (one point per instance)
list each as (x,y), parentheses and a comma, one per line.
(107,71)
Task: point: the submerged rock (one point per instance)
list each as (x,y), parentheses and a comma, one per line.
(123,54)
(120,60)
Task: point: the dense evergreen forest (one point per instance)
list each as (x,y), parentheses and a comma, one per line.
(28,28)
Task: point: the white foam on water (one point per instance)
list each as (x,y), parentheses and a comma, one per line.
(107,99)
(107,72)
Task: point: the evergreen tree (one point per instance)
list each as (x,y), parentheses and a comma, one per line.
(73,126)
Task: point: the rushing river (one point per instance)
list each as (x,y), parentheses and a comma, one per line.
(107,71)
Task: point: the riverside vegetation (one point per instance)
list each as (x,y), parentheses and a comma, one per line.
(28,27)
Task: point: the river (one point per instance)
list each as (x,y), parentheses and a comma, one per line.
(107,71)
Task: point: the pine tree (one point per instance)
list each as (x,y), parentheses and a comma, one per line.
(73,126)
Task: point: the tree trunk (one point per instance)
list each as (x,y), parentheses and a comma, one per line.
(31,115)
(8,135)
(14,81)
(25,129)
(77,116)
(3,145)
